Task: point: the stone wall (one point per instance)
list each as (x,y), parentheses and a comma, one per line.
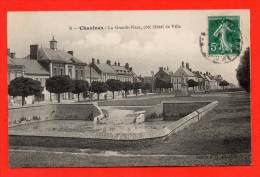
(29,114)
(154,112)
(35,113)
(76,111)
(190,118)
(176,110)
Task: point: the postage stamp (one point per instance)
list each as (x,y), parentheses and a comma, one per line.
(224,35)
(223,42)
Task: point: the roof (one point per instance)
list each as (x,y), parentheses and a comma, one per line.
(94,73)
(57,55)
(198,74)
(208,78)
(122,70)
(105,68)
(31,66)
(183,72)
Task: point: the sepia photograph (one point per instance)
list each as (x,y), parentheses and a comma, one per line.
(144,88)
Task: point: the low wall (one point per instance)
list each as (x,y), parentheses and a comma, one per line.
(175,110)
(76,111)
(35,113)
(29,114)
(154,112)
(190,118)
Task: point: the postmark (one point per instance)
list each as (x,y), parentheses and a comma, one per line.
(222,43)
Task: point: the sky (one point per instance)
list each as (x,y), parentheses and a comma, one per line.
(144,49)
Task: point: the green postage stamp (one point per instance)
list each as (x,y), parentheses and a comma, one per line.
(224,35)
(222,43)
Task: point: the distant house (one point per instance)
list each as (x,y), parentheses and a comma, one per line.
(58,62)
(200,79)
(91,74)
(182,75)
(218,79)
(163,74)
(213,84)
(147,79)
(124,73)
(50,62)
(18,67)
(14,69)
(105,70)
(113,71)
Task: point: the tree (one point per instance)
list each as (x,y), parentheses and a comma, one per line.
(59,84)
(22,86)
(114,85)
(223,83)
(192,83)
(168,85)
(243,71)
(85,95)
(161,84)
(136,86)
(126,86)
(146,86)
(80,86)
(98,87)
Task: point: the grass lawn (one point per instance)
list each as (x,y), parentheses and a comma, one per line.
(223,137)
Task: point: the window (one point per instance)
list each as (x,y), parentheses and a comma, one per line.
(77,74)
(61,71)
(81,74)
(54,71)
(70,72)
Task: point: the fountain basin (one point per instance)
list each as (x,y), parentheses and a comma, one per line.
(80,133)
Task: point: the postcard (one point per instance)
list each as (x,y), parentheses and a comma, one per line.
(129,88)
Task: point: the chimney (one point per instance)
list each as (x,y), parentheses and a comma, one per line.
(34,52)
(182,64)
(115,63)
(108,62)
(93,60)
(70,52)
(127,66)
(167,68)
(118,64)
(187,66)
(160,68)
(131,69)
(98,61)
(12,55)
(8,52)
(53,44)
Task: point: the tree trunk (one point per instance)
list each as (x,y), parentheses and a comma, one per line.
(58,97)
(136,92)
(125,93)
(50,97)
(113,95)
(193,90)
(98,96)
(23,100)
(78,97)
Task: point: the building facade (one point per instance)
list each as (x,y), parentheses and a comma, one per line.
(182,75)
